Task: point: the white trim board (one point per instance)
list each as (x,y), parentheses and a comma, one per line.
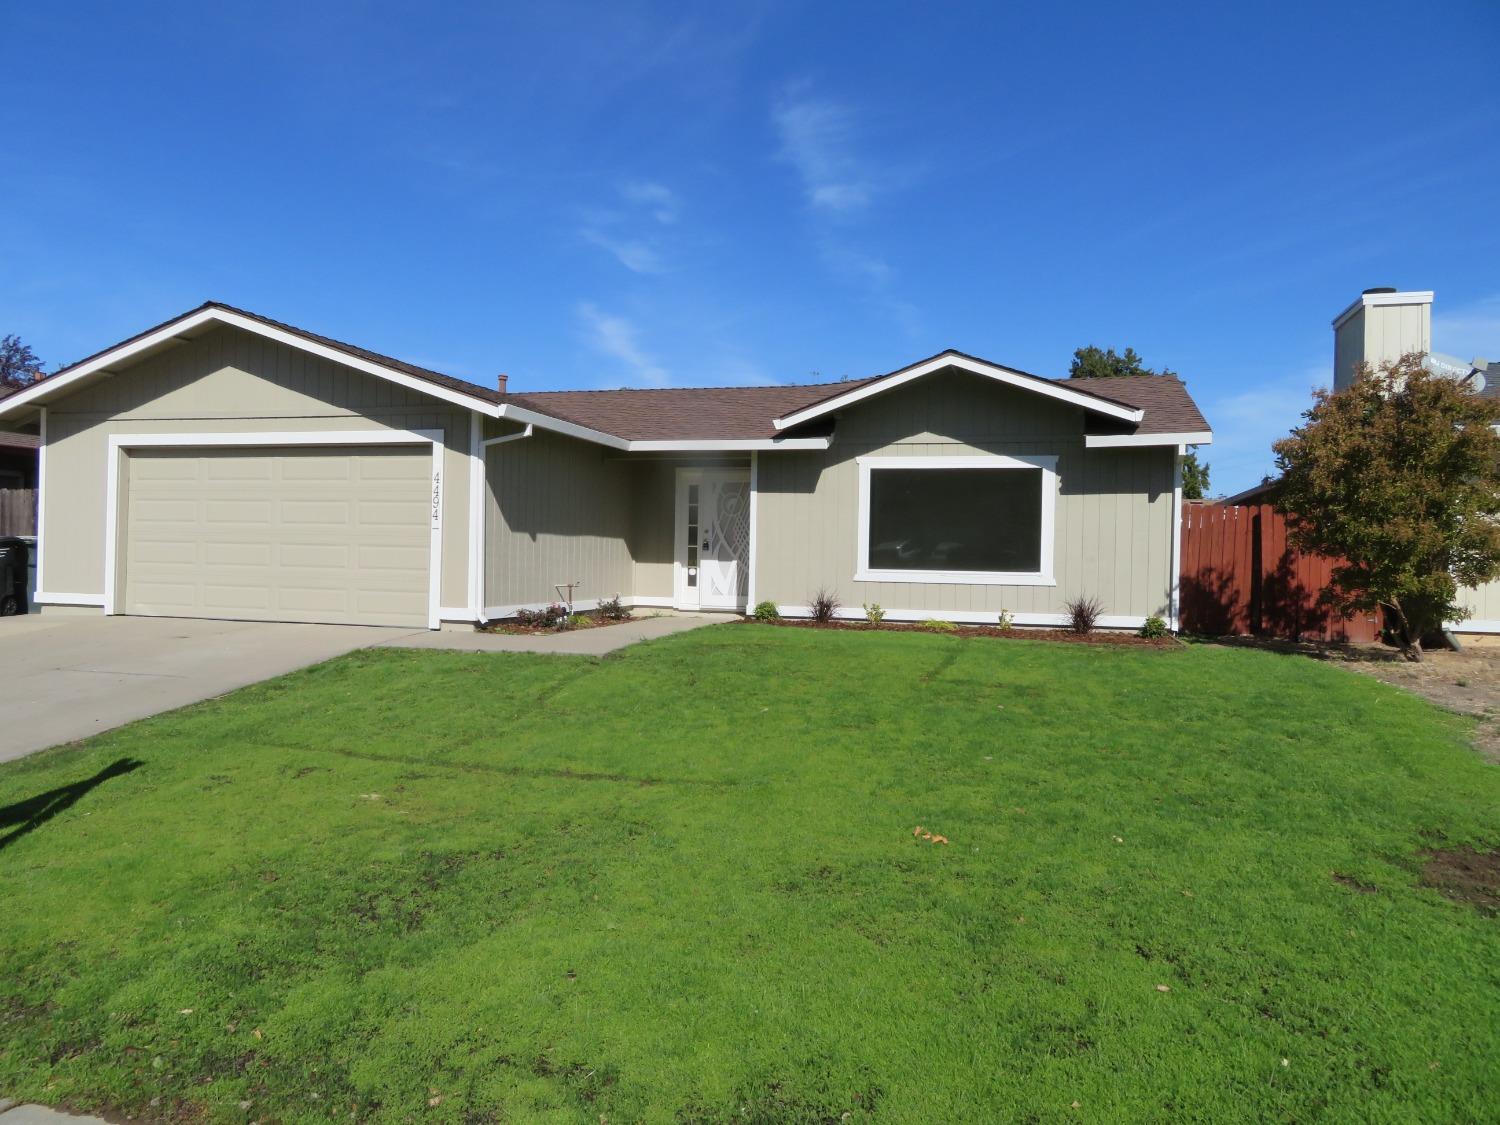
(1130,441)
(49,598)
(1174,600)
(119,443)
(1476,625)
(971,617)
(727,445)
(477,489)
(1372,300)
(989,462)
(964,363)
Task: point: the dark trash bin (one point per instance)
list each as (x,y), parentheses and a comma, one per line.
(15,557)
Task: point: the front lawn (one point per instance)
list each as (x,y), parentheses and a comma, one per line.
(682,883)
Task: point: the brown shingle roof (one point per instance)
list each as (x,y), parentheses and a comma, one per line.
(1168,406)
(682,413)
(706,413)
(717,413)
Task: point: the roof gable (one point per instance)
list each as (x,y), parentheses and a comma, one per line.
(1085,399)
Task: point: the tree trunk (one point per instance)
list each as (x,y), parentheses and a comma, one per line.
(1408,640)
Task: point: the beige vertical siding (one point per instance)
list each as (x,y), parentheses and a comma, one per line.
(653,523)
(228,381)
(1483,604)
(558,511)
(1348,350)
(1393,330)
(1113,529)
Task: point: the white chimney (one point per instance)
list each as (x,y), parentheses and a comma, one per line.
(1380,326)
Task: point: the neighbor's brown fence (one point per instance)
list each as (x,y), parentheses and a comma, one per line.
(17,511)
(1239,576)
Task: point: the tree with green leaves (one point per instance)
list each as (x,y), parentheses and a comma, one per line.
(19,366)
(1105,363)
(1398,477)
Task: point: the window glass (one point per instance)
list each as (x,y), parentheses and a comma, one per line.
(956,519)
(692,535)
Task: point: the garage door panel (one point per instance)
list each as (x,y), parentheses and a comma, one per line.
(255,555)
(327,513)
(292,534)
(321,556)
(241,468)
(331,468)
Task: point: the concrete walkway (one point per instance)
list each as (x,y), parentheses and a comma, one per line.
(585,642)
(12,1114)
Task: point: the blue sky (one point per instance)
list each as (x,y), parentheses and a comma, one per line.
(633,194)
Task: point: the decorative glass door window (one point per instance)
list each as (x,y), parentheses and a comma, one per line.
(692,535)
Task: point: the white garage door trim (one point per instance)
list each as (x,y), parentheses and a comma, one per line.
(119,443)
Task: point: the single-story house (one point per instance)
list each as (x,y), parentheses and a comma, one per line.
(226,465)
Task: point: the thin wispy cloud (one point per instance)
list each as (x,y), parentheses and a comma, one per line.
(634,254)
(631,228)
(1468,331)
(661,200)
(818,139)
(619,339)
(1247,421)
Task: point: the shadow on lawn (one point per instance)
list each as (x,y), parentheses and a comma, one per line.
(30,814)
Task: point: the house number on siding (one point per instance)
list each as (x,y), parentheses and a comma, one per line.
(437,499)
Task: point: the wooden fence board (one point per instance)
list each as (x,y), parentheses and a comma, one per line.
(17,511)
(1240,576)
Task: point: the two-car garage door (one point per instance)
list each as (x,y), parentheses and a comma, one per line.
(338,534)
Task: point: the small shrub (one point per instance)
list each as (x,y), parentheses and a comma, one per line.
(1154,627)
(549,617)
(940,626)
(825,606)
(873,613)
(1083,614)
(1007,622)
(612,609)
(766,611)
(576,621)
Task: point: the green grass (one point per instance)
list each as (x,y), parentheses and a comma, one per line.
(681,884)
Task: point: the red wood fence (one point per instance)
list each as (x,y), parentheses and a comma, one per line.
(1239,576)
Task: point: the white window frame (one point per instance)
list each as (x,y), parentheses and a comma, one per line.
(121,444)
(863,572)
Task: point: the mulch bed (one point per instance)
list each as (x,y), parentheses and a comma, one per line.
(513,627)
(1020,633)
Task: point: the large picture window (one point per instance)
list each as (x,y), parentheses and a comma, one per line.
(984,519)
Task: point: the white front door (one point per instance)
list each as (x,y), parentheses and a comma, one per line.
(713,538)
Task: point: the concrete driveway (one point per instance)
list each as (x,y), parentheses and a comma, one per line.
(65,678)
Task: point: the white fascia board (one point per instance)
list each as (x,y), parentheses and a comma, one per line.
(727,445)
(989,370)
(514,413)
(1128,441)
(1475,625)
(1370,300)
(222,316)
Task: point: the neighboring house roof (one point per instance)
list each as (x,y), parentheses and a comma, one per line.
(1141,407)
(1491,382)
(19,441)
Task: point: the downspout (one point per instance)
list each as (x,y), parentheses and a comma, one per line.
(1174,609)
(484,449)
